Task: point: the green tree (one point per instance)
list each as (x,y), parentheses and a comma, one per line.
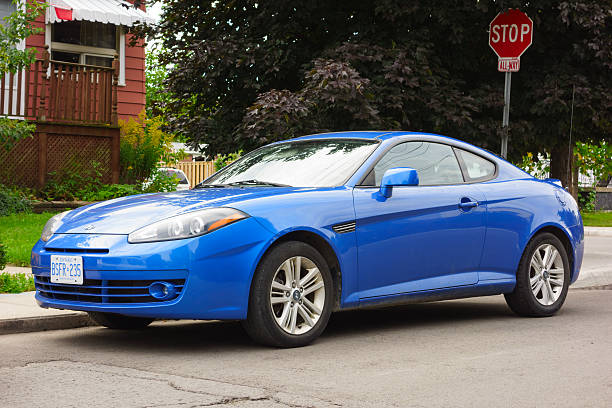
(15,28)
(248,72)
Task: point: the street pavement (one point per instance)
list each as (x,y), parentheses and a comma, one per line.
(471,352)
(464,353)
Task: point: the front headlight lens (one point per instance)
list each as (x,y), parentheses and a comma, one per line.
(187,225)
(52,225)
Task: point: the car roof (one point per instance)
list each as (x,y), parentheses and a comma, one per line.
(365,134)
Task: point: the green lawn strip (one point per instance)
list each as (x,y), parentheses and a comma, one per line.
(15,283)
(19,233)
(597,219)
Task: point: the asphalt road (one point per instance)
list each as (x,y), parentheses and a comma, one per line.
(471,352)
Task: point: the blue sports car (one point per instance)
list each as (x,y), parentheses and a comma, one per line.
(297,229)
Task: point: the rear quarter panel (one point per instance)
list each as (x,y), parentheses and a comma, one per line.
(516,211)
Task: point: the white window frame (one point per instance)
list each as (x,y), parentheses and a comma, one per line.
(84,50)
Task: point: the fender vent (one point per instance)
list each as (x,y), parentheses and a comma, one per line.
(344,227)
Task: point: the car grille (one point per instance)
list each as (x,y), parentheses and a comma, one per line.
(104,291)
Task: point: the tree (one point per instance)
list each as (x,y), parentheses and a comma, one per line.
(247,72)
(15,28)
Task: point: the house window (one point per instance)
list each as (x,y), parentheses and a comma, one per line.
(84,42)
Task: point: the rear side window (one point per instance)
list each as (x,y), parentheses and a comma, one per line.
(435,163)
(476,167)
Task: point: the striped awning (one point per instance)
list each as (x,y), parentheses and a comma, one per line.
(101,11)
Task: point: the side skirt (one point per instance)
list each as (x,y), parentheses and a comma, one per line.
(484,288)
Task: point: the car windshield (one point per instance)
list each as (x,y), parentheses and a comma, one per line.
(309,163)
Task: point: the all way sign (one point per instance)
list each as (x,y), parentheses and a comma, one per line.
(510,34)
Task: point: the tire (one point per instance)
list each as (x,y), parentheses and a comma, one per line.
(118,321)
(270,318)
(548,293)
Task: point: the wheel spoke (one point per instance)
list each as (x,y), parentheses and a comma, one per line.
(312,288)
(538,259)
(311,307)
(304,313)
(288,268)
(312,274)
(280,287)
(556,282)
(537,287)
(297,267)
(293,319)
(277,299)
(533,281)
(552,257)
(545,297)
(546,256)
(556,272)
(284,318)
(549,291)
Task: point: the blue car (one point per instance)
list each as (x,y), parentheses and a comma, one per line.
(298,229)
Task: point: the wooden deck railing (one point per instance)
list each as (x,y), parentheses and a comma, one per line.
(57,91)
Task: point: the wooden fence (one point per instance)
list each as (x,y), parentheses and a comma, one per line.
(57,91)
(196,171)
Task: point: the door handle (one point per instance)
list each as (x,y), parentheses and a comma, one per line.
(466,204)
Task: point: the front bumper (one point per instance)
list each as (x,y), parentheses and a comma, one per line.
(212,273)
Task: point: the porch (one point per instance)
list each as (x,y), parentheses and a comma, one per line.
(74,107)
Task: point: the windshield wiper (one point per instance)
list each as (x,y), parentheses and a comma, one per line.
(254,182)
(211,185)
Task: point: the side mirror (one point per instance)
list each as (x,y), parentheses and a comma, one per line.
(398,176)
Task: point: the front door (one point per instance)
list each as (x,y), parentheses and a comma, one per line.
(423,237)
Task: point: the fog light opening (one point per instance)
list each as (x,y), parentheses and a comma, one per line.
(162,290)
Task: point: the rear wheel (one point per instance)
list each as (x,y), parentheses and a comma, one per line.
(119,321)
(542,278)
(291,296)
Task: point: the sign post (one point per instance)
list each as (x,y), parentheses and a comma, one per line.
(510,34)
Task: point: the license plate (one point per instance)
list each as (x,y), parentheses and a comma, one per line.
(67,269)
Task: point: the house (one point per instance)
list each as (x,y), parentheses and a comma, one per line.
(86,77)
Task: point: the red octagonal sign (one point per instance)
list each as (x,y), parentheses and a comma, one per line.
(510,33)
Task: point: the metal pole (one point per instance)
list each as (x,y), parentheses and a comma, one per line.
(506,117)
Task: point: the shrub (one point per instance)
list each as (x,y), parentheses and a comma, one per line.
(3,256)
(143,145)
(223,160)
(12,202)
(12,131)
(16,283)
(160,182)
(73,182)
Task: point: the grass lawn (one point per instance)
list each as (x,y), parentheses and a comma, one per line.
(19,233)
(597,219)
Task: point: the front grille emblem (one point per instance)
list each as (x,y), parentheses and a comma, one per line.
(90,227)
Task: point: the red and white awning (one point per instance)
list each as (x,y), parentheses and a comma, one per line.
(101,11)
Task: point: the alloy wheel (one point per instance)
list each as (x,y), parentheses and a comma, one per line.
(297,295)
(546,274)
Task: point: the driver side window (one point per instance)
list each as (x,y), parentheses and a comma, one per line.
(435,163)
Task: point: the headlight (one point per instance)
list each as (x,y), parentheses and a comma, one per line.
(52,225)
(187,225)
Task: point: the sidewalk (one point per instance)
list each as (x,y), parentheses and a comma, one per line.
(20,313)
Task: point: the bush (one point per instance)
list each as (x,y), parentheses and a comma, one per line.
(12,202)
(12,131)
(3,256)
(109,191)
(16,283)
(223,160)
(73,182)
(143,146)
(160,182)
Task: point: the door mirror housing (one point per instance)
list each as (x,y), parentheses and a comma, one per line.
(398,176)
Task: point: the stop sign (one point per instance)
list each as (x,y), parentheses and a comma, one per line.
(510,33)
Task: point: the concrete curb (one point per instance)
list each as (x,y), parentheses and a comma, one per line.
(44,323)
(598,231)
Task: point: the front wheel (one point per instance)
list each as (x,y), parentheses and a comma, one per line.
(291,296)
(542,278)
(119,321)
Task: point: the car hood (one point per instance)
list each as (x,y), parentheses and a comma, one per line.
(127,214)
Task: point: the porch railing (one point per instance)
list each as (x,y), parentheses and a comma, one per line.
(58,91)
